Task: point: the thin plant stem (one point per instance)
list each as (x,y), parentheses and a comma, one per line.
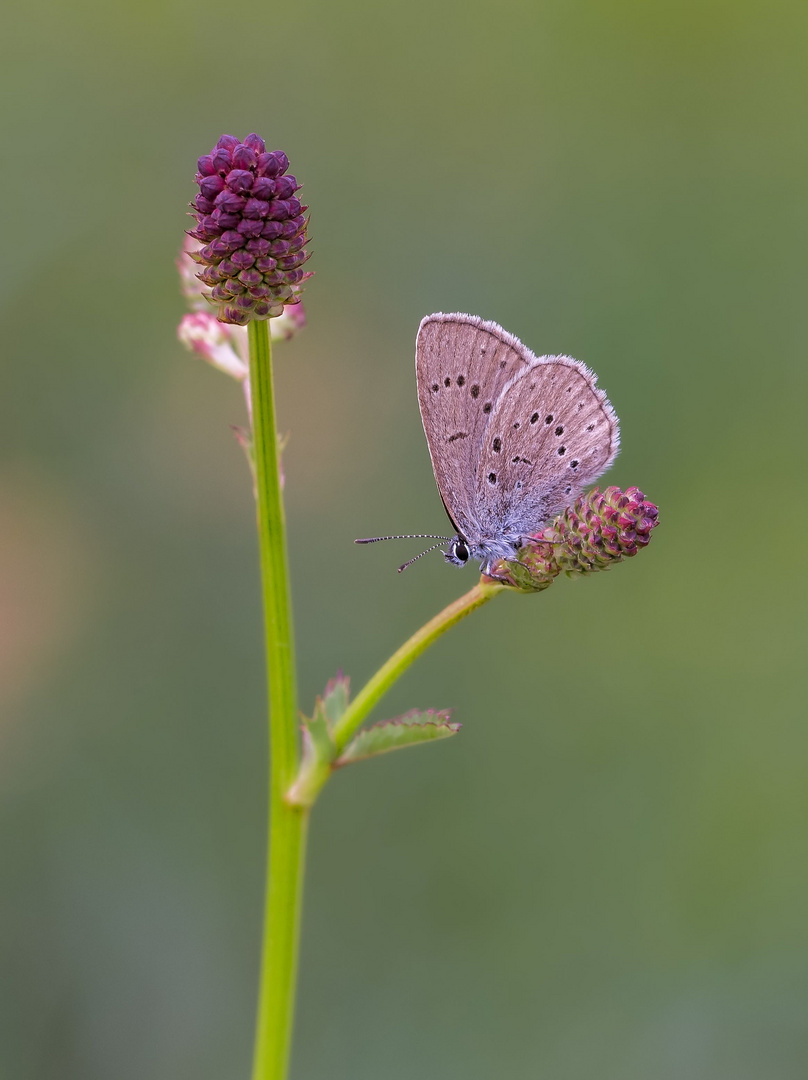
(287,824)
(373,690)
(315,773)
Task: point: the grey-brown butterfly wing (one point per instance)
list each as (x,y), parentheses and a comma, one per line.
(462,366)
(551,432)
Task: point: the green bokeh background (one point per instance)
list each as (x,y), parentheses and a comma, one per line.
(605,875)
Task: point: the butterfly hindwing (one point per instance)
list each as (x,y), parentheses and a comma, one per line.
(551,433)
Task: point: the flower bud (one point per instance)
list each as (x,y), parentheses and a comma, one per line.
(204,334)
(246,205)
(597,531)
(288,324)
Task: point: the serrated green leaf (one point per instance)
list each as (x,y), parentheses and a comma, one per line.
(317,760)
(409,730)
(319,748)
(317,735)
(335,700)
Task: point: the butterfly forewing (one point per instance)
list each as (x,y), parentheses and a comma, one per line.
(462,366)
(550,434)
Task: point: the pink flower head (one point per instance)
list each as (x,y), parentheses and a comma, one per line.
(287,325)
(202,333)
(599,530)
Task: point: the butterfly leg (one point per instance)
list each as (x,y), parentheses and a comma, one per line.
(499,577)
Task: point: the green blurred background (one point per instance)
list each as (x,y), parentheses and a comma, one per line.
(605,875)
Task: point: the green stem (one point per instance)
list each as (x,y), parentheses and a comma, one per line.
(287,824)
(373,690)
(316,771)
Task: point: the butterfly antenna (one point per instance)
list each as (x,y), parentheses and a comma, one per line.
(405,536)
(417,557)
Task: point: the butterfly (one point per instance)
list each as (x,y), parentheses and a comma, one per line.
(513,437)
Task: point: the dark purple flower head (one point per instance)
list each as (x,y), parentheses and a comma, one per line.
(597,531)
(251,228)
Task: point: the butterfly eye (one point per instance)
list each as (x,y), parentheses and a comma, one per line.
(461,551)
